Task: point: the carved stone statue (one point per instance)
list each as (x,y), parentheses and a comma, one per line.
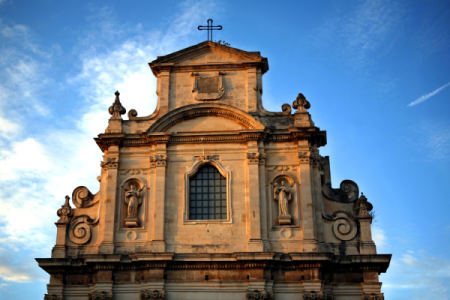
(133,199)
(282,194)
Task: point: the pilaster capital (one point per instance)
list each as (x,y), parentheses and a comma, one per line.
(158,161)
(110,163)
(256,158)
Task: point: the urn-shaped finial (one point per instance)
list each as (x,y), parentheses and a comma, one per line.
(301,103)
(116,109)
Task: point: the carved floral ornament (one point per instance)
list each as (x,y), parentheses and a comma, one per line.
(320,295)
(153,295)
(101,296)
(262,294)
(116,109)
(110,162)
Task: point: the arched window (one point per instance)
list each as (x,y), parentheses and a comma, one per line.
(207,195)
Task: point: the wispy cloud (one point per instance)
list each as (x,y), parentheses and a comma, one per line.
(427,96)
(361,33)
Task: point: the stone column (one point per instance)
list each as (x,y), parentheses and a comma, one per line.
(317,192)
(160,162)
(112,165)
(307,203)
(255,243)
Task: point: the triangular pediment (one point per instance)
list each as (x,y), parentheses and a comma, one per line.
(209,53)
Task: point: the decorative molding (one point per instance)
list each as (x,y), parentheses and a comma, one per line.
(259,294)
(82,197)
(154,295)
(282,168)
(206,158)
(256,158)
(65,212)
(101,296)
(205,109)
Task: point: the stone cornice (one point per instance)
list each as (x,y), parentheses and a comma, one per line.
(146,139)
(327,262)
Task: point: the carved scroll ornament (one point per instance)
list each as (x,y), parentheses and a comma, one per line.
(80,229)
(344,227)
(348,191)
(82,197)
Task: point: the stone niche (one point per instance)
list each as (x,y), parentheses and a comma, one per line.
(133,196)
(283,197)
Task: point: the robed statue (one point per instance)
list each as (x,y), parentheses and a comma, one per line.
(283,195)
(133,199)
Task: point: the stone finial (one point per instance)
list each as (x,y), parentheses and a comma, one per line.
(363,207)
(65,212)
(301,103)
(116,109)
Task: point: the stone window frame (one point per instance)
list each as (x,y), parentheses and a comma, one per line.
(199,162)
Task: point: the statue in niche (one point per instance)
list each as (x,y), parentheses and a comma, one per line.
(133,200)
(283,195)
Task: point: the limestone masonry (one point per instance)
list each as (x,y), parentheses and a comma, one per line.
(214,197)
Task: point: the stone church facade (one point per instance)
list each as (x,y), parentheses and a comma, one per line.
(214,197)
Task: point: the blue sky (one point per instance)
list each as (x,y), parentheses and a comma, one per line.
(376,73)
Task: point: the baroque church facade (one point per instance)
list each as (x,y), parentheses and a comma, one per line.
(214,197)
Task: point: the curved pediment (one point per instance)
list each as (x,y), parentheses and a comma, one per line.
(198,117)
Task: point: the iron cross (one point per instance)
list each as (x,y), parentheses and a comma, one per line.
(210,28)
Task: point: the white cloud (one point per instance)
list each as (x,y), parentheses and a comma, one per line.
(379,238)
(427,276)
(433,138)
(38,171)
(427,96)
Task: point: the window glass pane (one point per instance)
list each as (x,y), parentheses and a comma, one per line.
(207,195)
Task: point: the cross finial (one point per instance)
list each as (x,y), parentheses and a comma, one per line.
(210,28)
